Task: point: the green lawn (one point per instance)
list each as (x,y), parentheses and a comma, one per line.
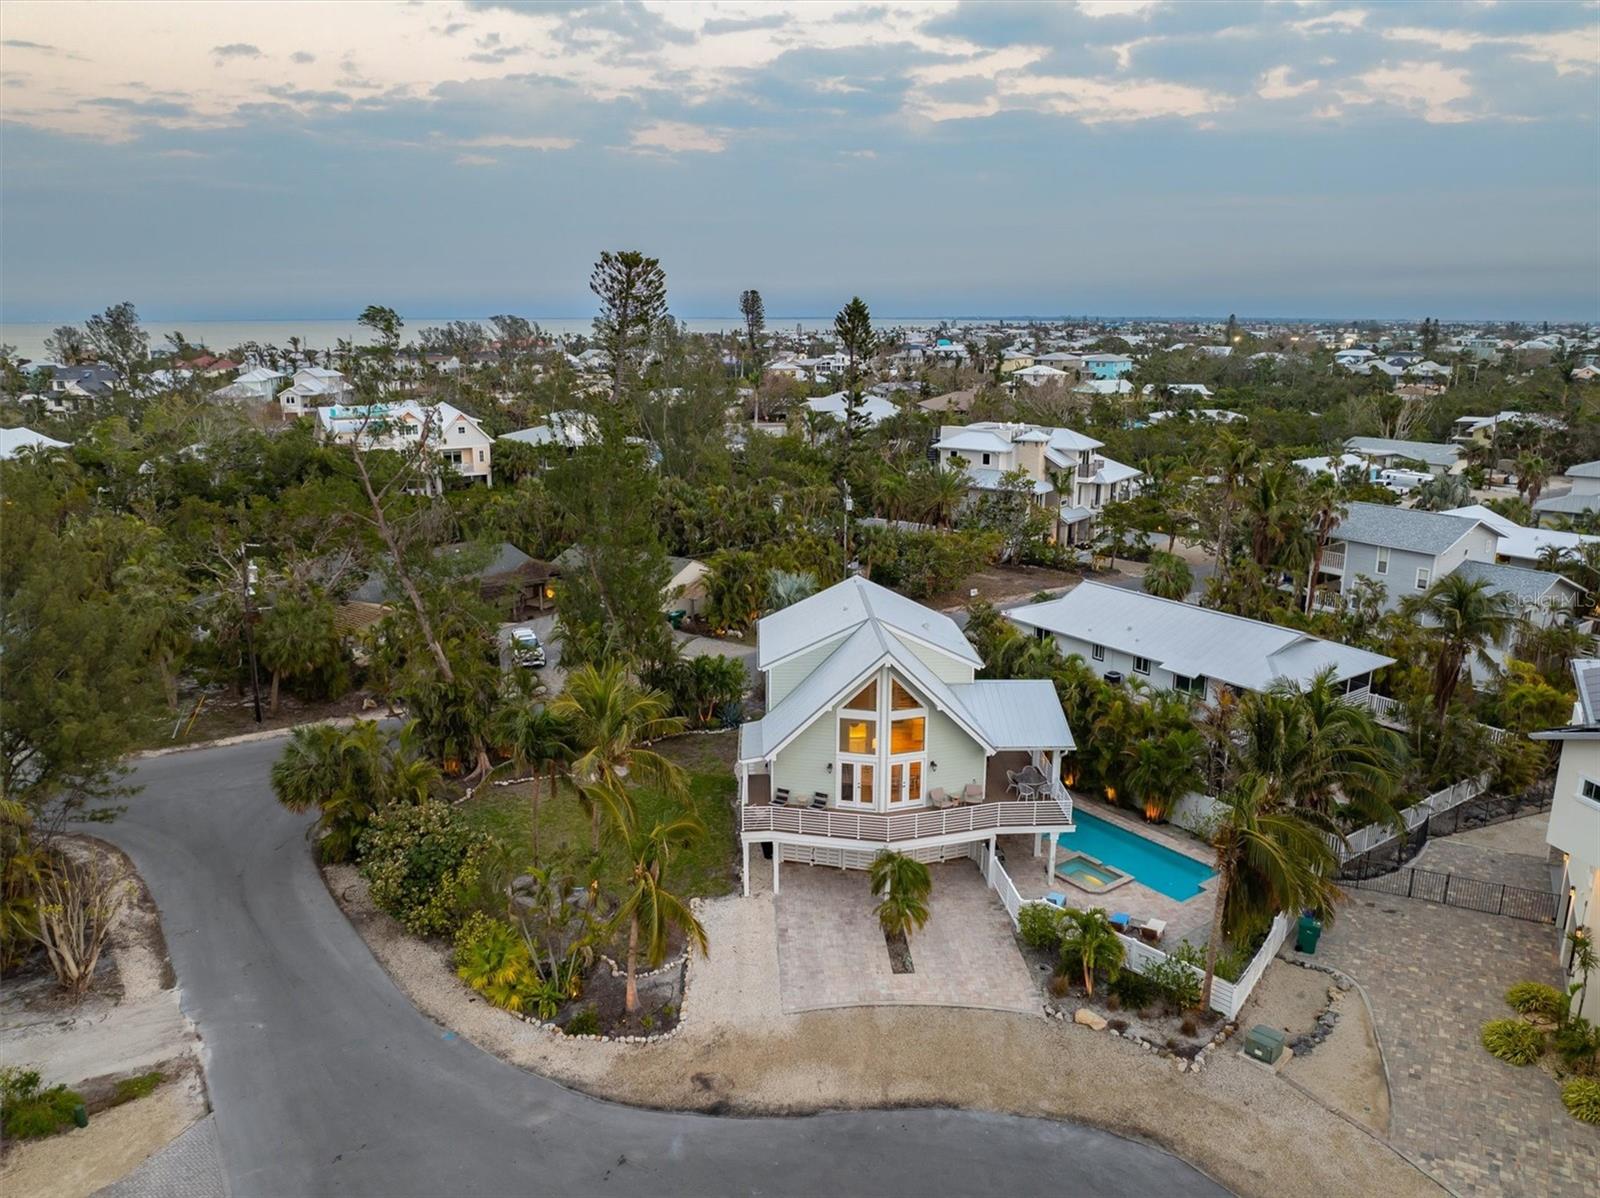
(706,869)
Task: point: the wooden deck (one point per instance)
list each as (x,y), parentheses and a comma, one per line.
(901,826)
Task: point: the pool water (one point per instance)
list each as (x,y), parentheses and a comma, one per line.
(1088,875)
(1151,864)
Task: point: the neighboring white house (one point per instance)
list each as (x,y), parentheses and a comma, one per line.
(874,409)
(877,735)
(311,388)
(1523,546)
(567,429)
(1128,635)
(455,437)
(1067,472)
(24,440)
(1335,466)
(256,385)
(1581,500)
(1386,453)
(1574,828)
(1038,375)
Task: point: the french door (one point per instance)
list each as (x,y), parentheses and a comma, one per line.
(905,782)
(856,777)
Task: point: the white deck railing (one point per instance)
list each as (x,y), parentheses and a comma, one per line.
(1390,711)
(896,827)
(1364,840)
(1332,559)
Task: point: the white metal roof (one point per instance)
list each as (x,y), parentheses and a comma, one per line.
(848,604)
(1191,640)
(14,440)
(1023,713)
(1520,543)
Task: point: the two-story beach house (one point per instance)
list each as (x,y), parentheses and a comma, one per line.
(878,735)
(1130,636)
(1068,473)
(1582,500)
(456,438)
(1574,828)
(1404,549)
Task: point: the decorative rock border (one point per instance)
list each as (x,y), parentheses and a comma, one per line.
(1186,1064)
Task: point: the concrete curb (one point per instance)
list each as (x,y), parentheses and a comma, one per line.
(247,738)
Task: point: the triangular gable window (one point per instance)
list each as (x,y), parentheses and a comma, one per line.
(866,698)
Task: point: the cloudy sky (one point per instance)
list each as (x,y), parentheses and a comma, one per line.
(274,160)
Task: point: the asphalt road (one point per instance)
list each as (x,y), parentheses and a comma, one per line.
(326,1080)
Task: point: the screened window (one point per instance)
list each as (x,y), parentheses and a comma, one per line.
(866,699)
(908,735)
(858,736)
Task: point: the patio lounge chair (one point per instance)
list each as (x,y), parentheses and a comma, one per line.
(819,800)
(1150,931)
(1120,920)
(780,797)
(1056,899)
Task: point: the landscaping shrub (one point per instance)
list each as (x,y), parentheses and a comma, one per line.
(1060,985)
(493,959)
(1513,1041)
(1039,924)
(1536,998)
(1189,1027)
(1175,982)
(28,1112)
(1577,1042)
(584,1023)
(422,862)
(1581,1097)
(1132,989)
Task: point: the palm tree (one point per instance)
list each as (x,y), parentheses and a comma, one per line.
(904,883)
(1317,750)
(1270,858)
(1274,516)
(1088,938)
(1326,510)
(1160,771)
(297,636)
(1464,618)
(1168,576)
(785,588)
(1231,459)
(337,771)
(538,740)
(1533,471)
(943,490)
(652,912)
(612,722)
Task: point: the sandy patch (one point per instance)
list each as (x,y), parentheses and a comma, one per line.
(79,1162)
(737,1053)
(1344,1071)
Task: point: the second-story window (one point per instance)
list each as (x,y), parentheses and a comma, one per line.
(1422,578)
(1383,559)
(985,459)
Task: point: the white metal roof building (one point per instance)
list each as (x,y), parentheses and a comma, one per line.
(1174,644)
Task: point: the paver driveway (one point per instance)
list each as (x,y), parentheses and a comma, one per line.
(831,951)
(1435,975)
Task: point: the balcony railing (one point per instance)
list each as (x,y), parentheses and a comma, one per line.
(1333,561)
(897,827)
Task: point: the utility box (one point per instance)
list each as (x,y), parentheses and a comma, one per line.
(1307,932)
(1264,1044)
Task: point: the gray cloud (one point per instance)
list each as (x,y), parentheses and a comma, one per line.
(302,56)
(237,50)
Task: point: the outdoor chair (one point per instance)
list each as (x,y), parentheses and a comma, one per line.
(971,793)
(1012,785)
(1150,931)
(780,797)
(1056,899)
(819,801)
(1120,920)
(937,798)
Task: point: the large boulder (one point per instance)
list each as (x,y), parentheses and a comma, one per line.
(1089,1019)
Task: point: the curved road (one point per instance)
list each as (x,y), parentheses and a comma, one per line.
(326,1080)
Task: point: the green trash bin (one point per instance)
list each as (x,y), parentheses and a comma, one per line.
(1264,1044)
(1308,932)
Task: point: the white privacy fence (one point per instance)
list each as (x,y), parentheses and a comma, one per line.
(1364,840)
(1228,998)
(1390,711)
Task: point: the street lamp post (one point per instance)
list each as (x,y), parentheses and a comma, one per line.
(248,577)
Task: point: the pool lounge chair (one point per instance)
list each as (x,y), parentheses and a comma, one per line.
(1151,930)
(1121,921)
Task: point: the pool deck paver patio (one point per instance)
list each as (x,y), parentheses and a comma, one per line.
(831,951)
(1434,976)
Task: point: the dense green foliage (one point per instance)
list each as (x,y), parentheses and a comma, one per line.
(29,1110)
(1581,1097)
(423,863)
(1513,1041)
(1537,998)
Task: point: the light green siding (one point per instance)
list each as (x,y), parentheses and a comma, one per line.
(785,676)
(944,667)
(802,766)
(961,759)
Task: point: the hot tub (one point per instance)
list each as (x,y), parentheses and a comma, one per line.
(1089,875)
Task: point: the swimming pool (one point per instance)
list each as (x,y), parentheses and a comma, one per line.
(1154,865)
